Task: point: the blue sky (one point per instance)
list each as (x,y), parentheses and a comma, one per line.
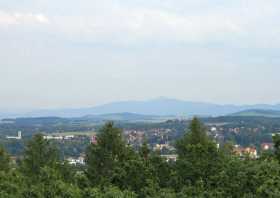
(82,53)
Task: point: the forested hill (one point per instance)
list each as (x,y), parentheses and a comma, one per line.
(258,113)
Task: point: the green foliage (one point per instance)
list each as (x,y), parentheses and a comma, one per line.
(133,175)
(66,171)
(111,161)
(270,188)
(276,141)
(161,170)
(38,154)
(4,160)
(51,185)
(107,155)
(144,150)
(108,192)
(11,184)
(114,170)
(198,155)
(195,136)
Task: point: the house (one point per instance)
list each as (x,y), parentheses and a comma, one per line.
(167,146)
(93,140)
(76,161)
(213,129)
(170,158)
(267,146)
(251,152)
(159,147)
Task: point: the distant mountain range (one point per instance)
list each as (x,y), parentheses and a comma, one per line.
(160,107)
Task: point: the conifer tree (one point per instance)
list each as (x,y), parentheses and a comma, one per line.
(39,153)
(106,156)
(4,160)
(198,156)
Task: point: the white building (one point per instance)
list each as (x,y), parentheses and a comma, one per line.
(52,137)
(76,161)
(18,137)
(213,129)
(169,158)
(58,137)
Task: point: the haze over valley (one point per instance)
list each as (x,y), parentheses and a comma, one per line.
(160,106)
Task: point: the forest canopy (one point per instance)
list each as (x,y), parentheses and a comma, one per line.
(115,169)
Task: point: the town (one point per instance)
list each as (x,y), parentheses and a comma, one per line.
(160,137)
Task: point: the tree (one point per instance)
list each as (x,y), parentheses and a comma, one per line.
(196,135)
(270,188)
(4,160)
(144,150)
(133,175)
(50,184)
(38,153)
(108,192)
(103,158)
(276,141)
(161,170)
(11,184)
(198,156)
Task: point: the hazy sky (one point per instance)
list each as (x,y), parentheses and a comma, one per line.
(69,53)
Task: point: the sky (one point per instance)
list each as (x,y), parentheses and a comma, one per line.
(69,53)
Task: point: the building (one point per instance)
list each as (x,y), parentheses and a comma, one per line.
(159,147)
(18,137)
(213,129)
(76,161)
(251,152)
(267,146)
(170,158)
(52,137)
(58,137)
(93,139)
(68,137)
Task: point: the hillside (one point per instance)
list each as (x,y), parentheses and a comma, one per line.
(127,117)
(258,113)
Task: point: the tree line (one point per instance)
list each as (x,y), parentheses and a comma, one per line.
(115,170)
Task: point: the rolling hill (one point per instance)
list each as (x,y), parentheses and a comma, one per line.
(258,113)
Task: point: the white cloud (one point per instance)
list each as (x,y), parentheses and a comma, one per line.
(126,25)
(123,45)
(237,23)
(18,18)
(119,22)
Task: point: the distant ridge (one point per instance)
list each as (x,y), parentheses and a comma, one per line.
(258,113)
(160,106)
(122,117)
(126,116)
